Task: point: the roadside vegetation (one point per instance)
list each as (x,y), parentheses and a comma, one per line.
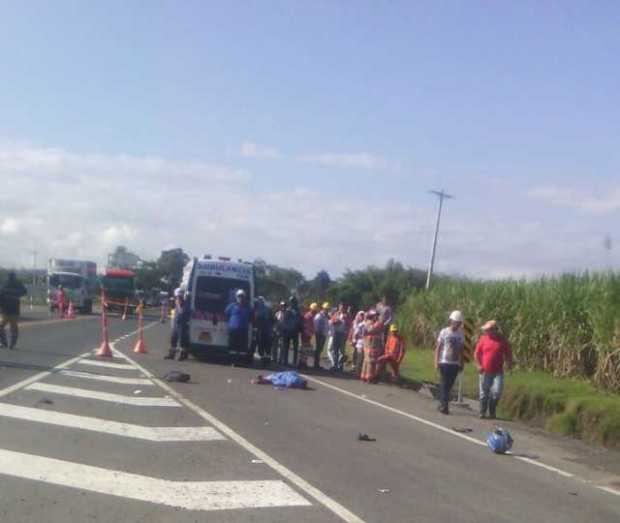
(567,326)
(571,407)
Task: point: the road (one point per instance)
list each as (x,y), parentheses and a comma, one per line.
(88,439)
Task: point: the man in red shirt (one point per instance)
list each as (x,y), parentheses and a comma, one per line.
(492,351)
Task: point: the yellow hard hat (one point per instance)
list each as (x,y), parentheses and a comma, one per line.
(314,306)
(393,328)
(326,305)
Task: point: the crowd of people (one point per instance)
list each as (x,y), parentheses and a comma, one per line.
(291,337)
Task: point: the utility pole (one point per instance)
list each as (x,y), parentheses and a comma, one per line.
(441,195)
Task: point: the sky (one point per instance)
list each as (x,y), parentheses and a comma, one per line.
(309,133)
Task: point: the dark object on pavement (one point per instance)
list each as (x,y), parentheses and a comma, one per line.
(365,437)
(46,401)
(463,430)
(178,376)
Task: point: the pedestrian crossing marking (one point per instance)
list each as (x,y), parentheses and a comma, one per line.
(159,434)
(104,377)
(189,495)
(97,363)
(76,392)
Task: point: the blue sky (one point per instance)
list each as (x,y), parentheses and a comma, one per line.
(308,133)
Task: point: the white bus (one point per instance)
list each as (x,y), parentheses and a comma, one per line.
(211,285)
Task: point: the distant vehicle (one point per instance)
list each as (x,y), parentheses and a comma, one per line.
(119,287)
(79,281)
(211,285)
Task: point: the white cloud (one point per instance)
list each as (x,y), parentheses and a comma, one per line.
(361,160)
(9,226)
(583,200)
(66,204)
(253,150)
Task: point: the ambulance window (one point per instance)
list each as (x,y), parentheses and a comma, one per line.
(214,294)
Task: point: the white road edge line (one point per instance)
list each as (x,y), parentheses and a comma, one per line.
(609,490)
(189,495)
(456,434)
(139,401)
(115,428)
(341,511)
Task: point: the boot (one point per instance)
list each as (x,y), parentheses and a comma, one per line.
(3,342)
(484,403)
(492,408)
(13,342)
(171,354)
(183,355)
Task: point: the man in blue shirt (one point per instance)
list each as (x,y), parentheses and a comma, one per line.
(238,316)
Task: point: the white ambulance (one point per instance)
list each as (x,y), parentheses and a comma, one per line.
(211,284)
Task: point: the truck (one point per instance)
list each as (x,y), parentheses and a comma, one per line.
(119,286)
(210,285)
(78,279)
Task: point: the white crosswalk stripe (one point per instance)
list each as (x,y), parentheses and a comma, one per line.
(139,401)
(103,377)
(110,365)
(190,495)
(110,427)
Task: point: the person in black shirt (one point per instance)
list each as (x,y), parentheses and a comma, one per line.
(10,294)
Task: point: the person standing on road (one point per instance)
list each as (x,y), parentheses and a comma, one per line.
(308,332)
(264,330)
(394,352)
(60,301)
(278,342)
(357,341)
(449,357)
(492,351)
(292,325)
(321,331)
(10,295)
(338,324)
(165,305)
(373,346)
(180,327)
(239,316)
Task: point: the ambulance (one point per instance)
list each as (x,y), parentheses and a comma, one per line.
(210,284)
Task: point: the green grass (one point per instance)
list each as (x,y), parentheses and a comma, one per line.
(567,326)
(567,406)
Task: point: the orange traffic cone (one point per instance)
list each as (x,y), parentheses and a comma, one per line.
(140,347)
(70,312)
(104,349)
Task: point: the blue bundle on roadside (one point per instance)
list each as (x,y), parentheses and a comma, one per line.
(499,441)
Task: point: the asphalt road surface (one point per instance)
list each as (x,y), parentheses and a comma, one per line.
(84,438)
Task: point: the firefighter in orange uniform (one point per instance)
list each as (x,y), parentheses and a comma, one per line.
(394,352)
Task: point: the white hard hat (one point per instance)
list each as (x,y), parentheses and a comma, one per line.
(178,292)
(240,292)
(457,316)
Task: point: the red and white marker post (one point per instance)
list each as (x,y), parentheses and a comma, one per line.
(140,347)
(104,349)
